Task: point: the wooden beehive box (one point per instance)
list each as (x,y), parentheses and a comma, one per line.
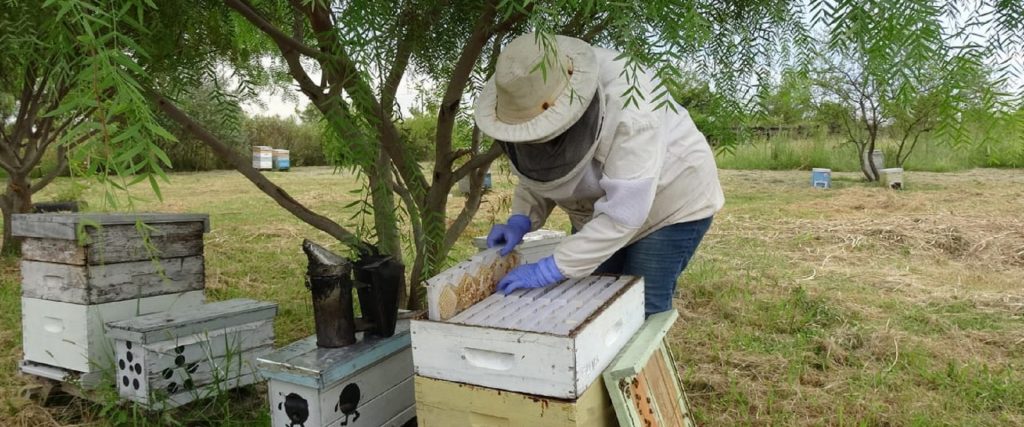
(536,245)
(100,258)
(170,359)
(642,380)
(551,341)
(368,383)
(80,270)
(443,403)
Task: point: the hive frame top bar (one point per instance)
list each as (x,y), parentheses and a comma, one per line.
(559,309)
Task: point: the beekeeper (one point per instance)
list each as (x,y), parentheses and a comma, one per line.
(637,180)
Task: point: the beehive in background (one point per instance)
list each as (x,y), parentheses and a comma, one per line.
(170,359)
(282,162)
(262,157)
(82,270)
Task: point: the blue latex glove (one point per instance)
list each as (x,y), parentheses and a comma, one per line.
(509,234)
(544,272)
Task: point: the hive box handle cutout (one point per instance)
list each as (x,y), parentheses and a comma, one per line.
(487,359)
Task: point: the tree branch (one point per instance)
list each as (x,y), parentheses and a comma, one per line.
(62,165)
(280,38)
(468,210)
(243,165)
(477,162)
(340,69)
(457,85)
(597,29)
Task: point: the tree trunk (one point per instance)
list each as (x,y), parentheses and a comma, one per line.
(17,199)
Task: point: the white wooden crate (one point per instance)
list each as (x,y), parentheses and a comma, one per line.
(551,341)
(536,245)
(170,359)
(369,383)
(72,336)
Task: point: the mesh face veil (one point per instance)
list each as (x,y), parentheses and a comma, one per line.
(551,160)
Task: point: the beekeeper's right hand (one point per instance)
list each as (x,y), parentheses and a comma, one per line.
(510,234)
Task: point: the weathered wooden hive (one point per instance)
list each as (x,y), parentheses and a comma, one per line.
(82,270)
(172,358)
(367,383)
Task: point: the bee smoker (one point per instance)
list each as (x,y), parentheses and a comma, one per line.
(378,279)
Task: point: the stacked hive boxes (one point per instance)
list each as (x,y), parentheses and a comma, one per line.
(82,270)
(172,358)
(262,157)
(282,162)
(534,357)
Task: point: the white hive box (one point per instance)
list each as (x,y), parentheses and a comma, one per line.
(551,341)
(536,245)
(170,359)
(262,157)
(72,336)
(84,269)
(369,383)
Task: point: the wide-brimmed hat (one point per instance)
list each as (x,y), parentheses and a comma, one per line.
(527,103)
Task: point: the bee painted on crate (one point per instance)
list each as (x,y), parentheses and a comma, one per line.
(348,401)
(296,408)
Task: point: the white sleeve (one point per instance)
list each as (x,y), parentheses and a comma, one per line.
(529,203)
(629,180)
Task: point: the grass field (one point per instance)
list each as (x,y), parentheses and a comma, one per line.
(852,306)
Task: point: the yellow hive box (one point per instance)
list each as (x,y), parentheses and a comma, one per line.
(450,404)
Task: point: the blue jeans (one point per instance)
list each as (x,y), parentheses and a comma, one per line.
(659,258)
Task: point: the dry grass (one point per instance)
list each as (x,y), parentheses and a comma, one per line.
(854,305)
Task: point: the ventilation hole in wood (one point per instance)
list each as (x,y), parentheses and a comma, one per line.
(124,380)
(128,345)
(135,383)
(180,360)
(192,368)
(189,385)
(130,356)
(120,364)
(138,368)
(172,387)
(167,373)
(180,349)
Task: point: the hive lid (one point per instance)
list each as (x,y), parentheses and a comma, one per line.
(169,325)
(65,225)
(303,363)
(560,309)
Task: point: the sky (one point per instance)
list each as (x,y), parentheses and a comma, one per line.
(277,104)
